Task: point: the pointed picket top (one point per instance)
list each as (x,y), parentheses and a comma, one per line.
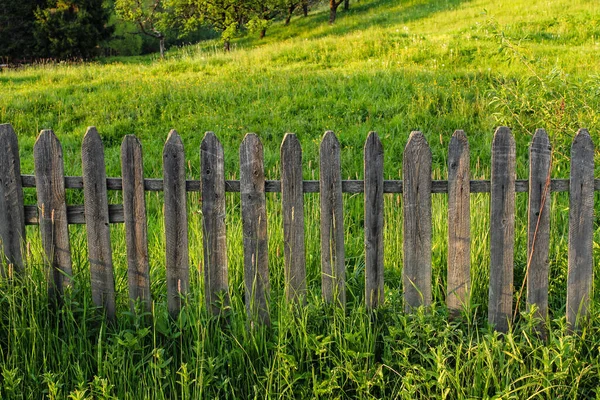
(329,141)
(92,135)
(417,141)
(581,228)
(173,140)
(503,137)
(12,218)
(291,143)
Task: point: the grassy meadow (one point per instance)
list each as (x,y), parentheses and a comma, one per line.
(385,66)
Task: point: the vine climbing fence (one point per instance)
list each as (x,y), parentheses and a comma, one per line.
(53,215)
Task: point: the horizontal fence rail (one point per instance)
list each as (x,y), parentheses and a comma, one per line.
(53,215)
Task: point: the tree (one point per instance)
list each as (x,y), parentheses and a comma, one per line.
(225,16)
(17,25)
(262,12)
(67,29)
(150,16)
(292,5)
(333,6)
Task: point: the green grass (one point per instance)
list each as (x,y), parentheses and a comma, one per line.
(388,66)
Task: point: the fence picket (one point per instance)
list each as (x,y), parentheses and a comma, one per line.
(254,221)
(293,219)
(502,229)
(538,232)
(213,222)
(49,177)
(12,217)
(459,224)
(373,154)
(581,227)
(97,222)
(333,270)
(416,275)
(136,230)
(176,223)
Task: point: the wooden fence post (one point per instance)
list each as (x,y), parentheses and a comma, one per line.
(374,222)
(136,230)
(176,223)
(254,221)
(459,224)
(12,217)
(213,222)
(538,231)
(292,197)
(333,269)
(97,222)
(52,209)
(502,229)
(416,170)
(581,228)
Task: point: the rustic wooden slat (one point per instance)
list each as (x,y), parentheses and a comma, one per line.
(538,236)
(581,228)
(416,275)
(12,219)
(373,154)
(293,219)
(459,224)
(348,186)
(49,172)
(76,214)
(97,222)
(254,222)
(176,223)
(213,222)
(502,229)
(333,270)
(136,230)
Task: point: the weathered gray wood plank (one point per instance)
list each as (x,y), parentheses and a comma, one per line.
(254,221)
(49,172)
(213,222)
(538,236)
(293,219)
(502,229)
(459,224)
(176,223)
(416,170)
(97,222)
(76,214)
(12,218)
(333,270)
(373,170)
(581,228)
(136,230)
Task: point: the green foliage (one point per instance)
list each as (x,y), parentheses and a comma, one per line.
(71,29)
(17,28)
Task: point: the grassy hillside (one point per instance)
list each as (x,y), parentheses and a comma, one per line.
(387,66)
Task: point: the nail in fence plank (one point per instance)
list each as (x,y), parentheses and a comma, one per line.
(293,219)
(49,176)
(502,229)
(176,223)
(373,153)
(581,228)
(416,167)
(213,222)
(97,222)
(459,223)
(254,221)
(538,232)
(12,217)
(136,230)
(333,271)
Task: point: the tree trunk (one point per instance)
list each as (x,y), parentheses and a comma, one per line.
(305,8)
(162,46)
(290,12)
(346,5)
(226,45)
(263,32)
(333,5)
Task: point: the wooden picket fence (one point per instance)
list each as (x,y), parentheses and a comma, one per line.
(53,216)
